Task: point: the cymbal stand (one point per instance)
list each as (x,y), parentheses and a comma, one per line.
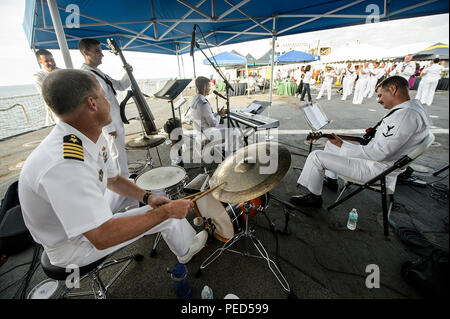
(247,234)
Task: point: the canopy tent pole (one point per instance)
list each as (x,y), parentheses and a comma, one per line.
(248,79)
(272,63)
(59,30)
(181,108)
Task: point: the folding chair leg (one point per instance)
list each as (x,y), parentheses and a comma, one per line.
(385,207)
(342,192)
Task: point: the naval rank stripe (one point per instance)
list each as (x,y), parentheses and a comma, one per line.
(73,147)
(80,153)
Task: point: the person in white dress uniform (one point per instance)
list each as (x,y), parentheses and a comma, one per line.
(92,53)
(375,73)
(430,79)
(404,127)
(349,81)
(405,69)
(327,83)
(46,60)
(63,182)
(361,84)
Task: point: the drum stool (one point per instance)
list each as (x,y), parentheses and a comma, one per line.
(92,270)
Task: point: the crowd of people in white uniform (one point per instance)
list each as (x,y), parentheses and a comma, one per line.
(360,79)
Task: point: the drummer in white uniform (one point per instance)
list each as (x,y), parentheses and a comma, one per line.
(63,182)
(430,79)
(401,131)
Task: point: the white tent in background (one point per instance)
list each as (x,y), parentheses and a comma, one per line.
(408,49)
(357,52)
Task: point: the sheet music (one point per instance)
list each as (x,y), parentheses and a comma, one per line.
(316,119)
(252,108)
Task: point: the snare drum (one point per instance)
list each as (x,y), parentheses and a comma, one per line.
(164,181)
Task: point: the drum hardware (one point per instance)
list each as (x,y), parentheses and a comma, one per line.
(243,182)
(247,234)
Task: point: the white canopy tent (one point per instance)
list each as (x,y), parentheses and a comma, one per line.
(357,52)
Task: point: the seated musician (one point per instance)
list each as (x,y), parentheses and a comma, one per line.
(202,113)
(399,132)
(63,182)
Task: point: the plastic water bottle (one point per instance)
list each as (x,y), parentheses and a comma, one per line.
(352,219)
(207,293)
(182,287)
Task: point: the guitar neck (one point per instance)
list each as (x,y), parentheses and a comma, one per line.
(346,137)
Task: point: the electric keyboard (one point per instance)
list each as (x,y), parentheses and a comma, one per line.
(255,121)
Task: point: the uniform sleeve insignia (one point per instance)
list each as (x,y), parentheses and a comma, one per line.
(73,148)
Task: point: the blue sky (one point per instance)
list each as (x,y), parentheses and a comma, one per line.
(400,36)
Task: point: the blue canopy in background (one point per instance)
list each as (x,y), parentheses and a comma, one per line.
(165,26)
(226,59)
(296,56)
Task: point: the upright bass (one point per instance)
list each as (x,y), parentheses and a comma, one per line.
(144,111)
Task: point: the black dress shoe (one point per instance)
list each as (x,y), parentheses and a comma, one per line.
(331,183)
(308,200)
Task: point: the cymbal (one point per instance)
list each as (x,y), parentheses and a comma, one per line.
(145,142)
(250,172)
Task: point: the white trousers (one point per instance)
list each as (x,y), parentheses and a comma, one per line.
(360,87)
(426,90)
(332,162)
(370,90)
(177,233)
(347,86)
(325,86)
(122,153)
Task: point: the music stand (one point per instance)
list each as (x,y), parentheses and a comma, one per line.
(170,92)
(315,117)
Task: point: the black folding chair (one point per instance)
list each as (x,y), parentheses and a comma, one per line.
(378,183)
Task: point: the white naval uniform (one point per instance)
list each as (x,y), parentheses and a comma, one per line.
(361,85)
(427,86)
(348,82)
(405,70)
(116,124)
(326,85)
(39,77)
(61,191)
(398,135)
(373,79)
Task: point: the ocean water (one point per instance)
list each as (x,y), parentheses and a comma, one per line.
(17,90)
(22,107)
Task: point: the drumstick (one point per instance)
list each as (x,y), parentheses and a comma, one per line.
(197,196)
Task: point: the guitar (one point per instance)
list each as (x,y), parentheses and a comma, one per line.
(144,111)
(313,136)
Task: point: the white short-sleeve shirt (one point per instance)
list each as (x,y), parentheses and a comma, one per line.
(61,190)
